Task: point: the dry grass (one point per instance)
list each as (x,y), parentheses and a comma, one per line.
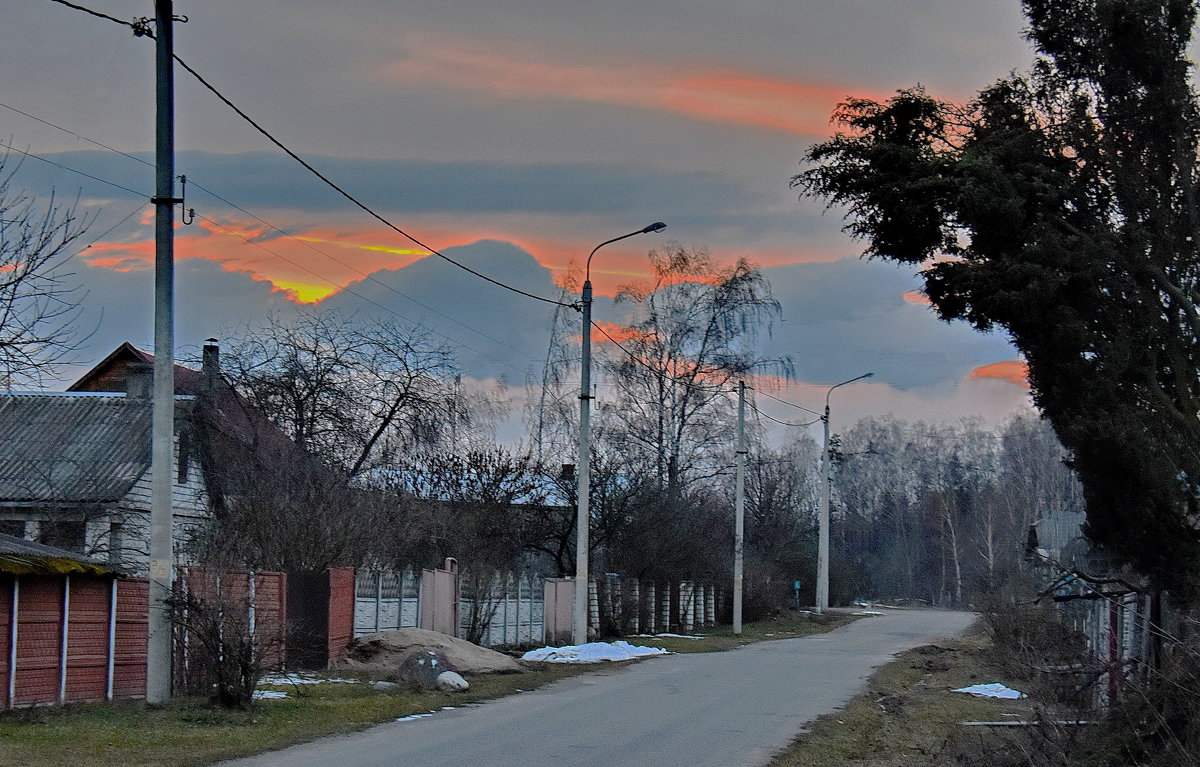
(189,734)
(909,716)
(787,625)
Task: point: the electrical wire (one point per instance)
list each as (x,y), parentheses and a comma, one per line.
(643,363)
(754,407)
(790,404)
(95,13)
(143,31)
(359,296)
(10,148)
(135,158)
(303,242)
(259,245)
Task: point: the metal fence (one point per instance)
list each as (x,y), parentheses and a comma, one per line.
(510,609)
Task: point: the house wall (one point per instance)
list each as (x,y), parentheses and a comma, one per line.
(132,513)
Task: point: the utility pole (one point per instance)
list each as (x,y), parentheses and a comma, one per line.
(823,519)
(739,525)
(158,650)
(826,493)
(579,619)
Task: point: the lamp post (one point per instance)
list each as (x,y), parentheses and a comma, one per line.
(823,519)
(582,513)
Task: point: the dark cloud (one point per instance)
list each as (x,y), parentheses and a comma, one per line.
(263,180)
(848,317)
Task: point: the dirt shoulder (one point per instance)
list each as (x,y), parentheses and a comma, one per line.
(909,714)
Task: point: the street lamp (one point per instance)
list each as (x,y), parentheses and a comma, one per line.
(582,514)
(823,519)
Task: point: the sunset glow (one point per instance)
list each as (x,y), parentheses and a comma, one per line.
(726,96)
(1014,371)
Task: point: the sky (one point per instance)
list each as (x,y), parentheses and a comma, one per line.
(514,135)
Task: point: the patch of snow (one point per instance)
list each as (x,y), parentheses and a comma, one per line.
(868,612)
(412,717)
(592,652)
(283,680)
(993,690)
(269,695)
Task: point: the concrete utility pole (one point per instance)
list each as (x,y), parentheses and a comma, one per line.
(579,620)
(823,519)
(739,525)
(158,651)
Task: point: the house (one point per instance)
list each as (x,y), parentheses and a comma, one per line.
(75,474)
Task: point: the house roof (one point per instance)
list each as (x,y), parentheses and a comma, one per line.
(71,448)
(111,374)
(21,557)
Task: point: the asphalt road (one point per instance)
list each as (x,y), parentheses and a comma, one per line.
(722,709)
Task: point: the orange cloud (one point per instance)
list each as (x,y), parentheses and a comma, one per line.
(918,298)
(308,267)
(1014,371)
(744,99)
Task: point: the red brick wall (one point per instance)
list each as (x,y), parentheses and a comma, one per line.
(341,610)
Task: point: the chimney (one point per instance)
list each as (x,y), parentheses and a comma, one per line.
(139,380)
(210,365)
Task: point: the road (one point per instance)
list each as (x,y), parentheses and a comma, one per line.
(721,709)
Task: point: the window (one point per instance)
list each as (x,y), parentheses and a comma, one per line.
(13,527)
(65,534)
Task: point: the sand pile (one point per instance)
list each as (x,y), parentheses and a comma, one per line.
(384,652)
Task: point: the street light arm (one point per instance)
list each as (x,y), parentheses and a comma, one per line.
(843,383)
(657,226)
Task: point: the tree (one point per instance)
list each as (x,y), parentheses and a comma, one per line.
(692,334)
(1061,207)
(38,303)
(356,394)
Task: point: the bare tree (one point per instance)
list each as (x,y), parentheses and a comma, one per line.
(38,300)
(692,333)
(358,395)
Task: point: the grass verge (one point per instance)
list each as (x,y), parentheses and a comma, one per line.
(787,625)
(190,733)
(910,716)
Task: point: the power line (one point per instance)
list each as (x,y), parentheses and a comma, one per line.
(254,243)
(113,184)
(789,404)
(358,295)
(366,276)
(135,158)
(643,363)
(778,421)
(140,29)
(122,22)
(284,233)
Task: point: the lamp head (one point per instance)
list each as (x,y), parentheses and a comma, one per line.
(657,226)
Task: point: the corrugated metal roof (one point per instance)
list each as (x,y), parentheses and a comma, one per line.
(56,448)
(20,556)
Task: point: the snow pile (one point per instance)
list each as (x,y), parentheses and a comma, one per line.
(993,690)
(592,652)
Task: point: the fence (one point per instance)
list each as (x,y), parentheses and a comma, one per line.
(245,608)
(72,638)
(78,638)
